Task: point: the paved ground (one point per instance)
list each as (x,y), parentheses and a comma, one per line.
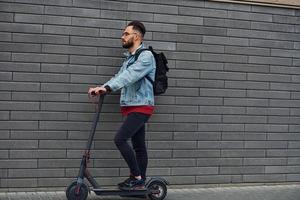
(275,192)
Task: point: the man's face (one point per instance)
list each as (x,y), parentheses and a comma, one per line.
(128,37)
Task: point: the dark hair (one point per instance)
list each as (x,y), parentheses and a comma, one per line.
(138,26)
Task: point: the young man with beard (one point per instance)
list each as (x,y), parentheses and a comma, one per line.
(136,101)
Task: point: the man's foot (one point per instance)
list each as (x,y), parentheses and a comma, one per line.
(132,184)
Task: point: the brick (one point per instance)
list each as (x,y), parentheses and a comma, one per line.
(265,178)
(48,182)
(20,47)
(282,169)
(5,37)
(178,19)
(34,96)
(220,110)
(272,27)
(61,87)
(198,101)
(61,49)
(285,53)
(284,69)
(223,75)
(111,5)
(102,23)
(285,19)
(172,145)
(247,50)
(10,66)
(244,119)
(283,103)
(71,30)
(219,162)
(71,11)
(172,162)
(5,56)
(42,19)
(285,136)
(218,179)
(4,154)
(265,161)
(239,67)
(183,55)
(220,145)
(5,76)
(21,28)
(22,8)
(224,58)
(196,154)
(266,144)
(16,144)
(197,118)
(200,47)
(226,23)
(173,37)
(201,30)
(18,164)
(292,177)
(250,16)
(6,17)
(246,85)
(4,115)
(152,8)
(4,134)
(38,135)
(225,40)
(200,83)
(268,94)
(194,170)
(197,136)
(20,115)
(89,4)
(62,144)
(58,163)
(31,154)
(19,125)
(243,170)
(100,154)
(222,92)
(29,57)
(192,11)
(245,153)
(19,105)
(19,183)
(35,173)
(271,43)
(198,65)
(40,77)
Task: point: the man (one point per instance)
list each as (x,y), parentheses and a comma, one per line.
(136,101)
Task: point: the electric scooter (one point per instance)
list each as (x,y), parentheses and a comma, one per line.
(155,188)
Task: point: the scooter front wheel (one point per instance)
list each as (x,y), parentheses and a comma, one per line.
(158,190)
(77,192)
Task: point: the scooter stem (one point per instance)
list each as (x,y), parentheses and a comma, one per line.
(95,122)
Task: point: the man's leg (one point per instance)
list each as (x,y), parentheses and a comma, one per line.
(139,146)
(133,123)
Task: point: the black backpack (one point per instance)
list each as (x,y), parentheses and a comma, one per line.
(160,84)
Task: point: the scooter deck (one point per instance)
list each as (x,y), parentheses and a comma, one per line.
(116,191)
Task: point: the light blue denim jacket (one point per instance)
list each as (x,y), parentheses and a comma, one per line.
(136,89)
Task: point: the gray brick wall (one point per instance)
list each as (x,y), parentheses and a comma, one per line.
(231,114)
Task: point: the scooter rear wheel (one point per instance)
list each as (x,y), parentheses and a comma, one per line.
(75,192)
(159,190)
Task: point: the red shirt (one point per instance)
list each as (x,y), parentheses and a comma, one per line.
(148,110)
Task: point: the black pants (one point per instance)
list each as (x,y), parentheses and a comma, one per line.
(136,157)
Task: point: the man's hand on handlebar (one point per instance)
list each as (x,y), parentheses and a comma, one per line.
(97,91)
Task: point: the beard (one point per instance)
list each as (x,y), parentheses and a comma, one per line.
(128,44)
